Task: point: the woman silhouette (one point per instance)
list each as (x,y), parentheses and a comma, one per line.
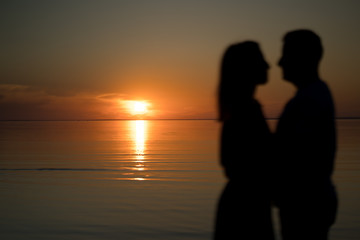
(244,209)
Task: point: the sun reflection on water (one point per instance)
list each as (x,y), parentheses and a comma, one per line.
(139,129)
(140,138)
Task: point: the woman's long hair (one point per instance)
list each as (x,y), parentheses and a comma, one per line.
(239,76)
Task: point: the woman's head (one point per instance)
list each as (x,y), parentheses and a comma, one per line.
(244,64)
(243,67)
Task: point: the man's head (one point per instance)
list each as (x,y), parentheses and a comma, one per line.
(302,52)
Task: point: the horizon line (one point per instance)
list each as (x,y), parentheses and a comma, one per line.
(145,119)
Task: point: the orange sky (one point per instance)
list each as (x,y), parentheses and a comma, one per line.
(81,59)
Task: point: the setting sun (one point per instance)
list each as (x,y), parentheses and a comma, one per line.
(139,107)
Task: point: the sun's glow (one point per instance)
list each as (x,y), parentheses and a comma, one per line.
(139,107)
(136,109)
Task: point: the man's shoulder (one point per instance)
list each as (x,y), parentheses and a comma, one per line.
(317,92)
(320,87)
(315,99)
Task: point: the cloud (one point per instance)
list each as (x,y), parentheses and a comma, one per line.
(21,102)
(12,93)
(112,96)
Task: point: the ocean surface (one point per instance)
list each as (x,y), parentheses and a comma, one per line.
(133,180)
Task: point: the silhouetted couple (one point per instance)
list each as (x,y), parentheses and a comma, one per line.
(291,168)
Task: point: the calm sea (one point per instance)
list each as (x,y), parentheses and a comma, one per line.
(132,179)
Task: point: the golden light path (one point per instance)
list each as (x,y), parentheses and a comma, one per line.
(139,136)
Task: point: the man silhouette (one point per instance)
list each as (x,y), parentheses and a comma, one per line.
(306,141)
